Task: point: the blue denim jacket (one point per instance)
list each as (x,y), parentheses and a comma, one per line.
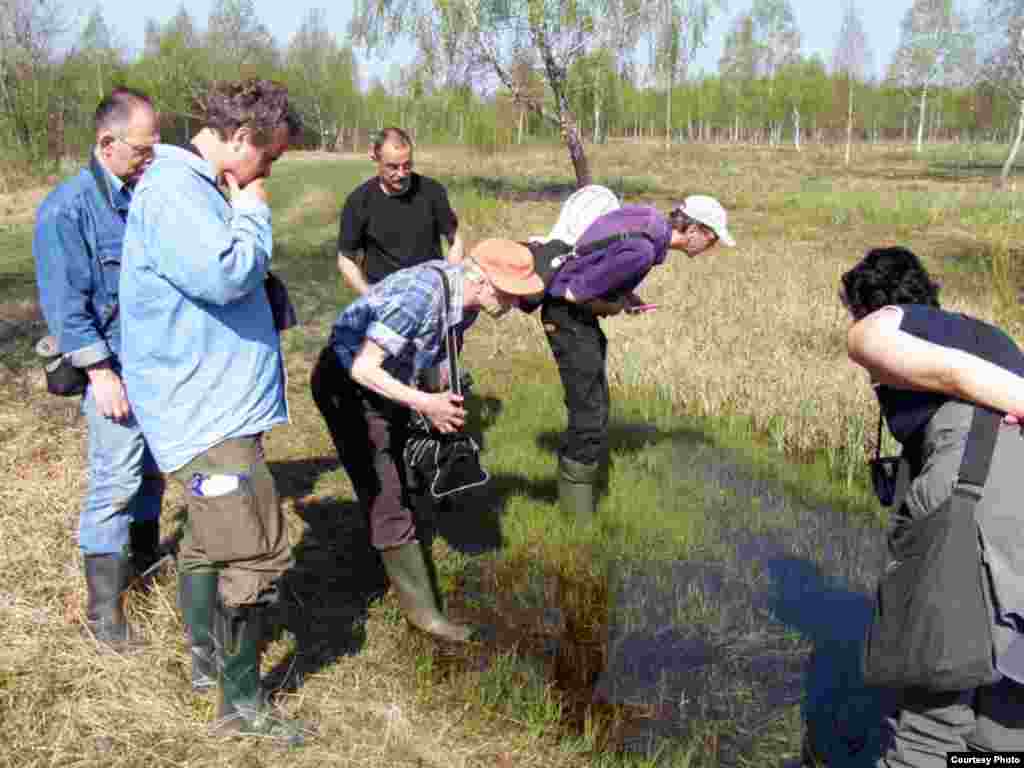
(77,249)
(201,357)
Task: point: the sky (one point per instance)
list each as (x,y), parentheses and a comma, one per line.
(818,21)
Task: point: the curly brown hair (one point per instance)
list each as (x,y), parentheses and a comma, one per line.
(260,105)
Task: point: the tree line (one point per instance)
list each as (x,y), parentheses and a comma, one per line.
(495,73)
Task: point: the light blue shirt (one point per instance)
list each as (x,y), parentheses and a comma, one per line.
(201,357)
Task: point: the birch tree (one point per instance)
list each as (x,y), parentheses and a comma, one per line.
(553,34)
(678,30)
(852,61)
(321,77)
(1002,24)
(936,48)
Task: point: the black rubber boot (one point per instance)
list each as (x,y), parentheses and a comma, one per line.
(144,540)
(242,709)
(407,568)
(197,595)
(576,489)
(107,577)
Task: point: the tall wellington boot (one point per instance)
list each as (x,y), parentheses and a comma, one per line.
(106,578)
(407,568)
(576,489)
(242,708)
(197,594)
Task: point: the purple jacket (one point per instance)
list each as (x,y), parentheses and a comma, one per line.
(619,268)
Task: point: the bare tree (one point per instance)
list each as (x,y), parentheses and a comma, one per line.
(936,48)
(551,34)
(852,60)
(239,43)
(1002,25)
(29,30)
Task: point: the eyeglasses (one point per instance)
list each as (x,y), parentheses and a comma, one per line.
(142,150)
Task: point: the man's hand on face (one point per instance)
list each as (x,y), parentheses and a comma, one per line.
(108,392)
(254,191)
(445,411)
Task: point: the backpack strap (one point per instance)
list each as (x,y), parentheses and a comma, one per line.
(604,242)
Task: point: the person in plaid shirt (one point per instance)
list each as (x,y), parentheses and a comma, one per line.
(363,386)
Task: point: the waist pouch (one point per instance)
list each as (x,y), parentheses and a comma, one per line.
(62,378)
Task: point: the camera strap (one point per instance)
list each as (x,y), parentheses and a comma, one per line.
(878,442)
(451,347)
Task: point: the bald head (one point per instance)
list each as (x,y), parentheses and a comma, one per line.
(116,110)
(126,131)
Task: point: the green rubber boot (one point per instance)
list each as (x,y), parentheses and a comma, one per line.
(576,489)
(197,594)
(407,568)
(242,709)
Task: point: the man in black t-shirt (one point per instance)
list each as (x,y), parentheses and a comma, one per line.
(394,220)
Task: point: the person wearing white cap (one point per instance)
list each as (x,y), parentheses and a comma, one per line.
(593,273)
(363,387)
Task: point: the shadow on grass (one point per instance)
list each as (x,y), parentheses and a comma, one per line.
(336,575)
(626,438)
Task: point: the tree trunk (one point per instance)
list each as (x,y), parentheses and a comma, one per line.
(920,120)
(796,128)
(849,123)
(522,118)
(668,113)
(574,143)
(1005,174)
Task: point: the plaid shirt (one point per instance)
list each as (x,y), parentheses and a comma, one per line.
(403,315)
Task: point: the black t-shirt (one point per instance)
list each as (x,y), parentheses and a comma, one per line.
(396,231)
(907,411)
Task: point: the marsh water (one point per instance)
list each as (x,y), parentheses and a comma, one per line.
(719,647)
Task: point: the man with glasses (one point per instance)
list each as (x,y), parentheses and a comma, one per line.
(394,220)
(77,248)
(596,277)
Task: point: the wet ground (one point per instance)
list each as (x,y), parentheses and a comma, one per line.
(721,648)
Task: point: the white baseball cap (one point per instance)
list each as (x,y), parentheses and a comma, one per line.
(710,213)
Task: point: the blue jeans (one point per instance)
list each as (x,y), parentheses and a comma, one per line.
(125,484)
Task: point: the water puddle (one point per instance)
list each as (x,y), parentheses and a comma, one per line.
(720,649)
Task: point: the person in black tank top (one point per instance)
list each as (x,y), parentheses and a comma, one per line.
(929,366)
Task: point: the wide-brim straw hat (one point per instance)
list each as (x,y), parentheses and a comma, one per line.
(508,265)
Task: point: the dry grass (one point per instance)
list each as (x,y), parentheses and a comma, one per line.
(754,331)
(757,330)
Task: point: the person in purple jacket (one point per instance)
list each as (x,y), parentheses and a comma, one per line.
(596,277)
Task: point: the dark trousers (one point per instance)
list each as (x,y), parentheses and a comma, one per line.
(580,349)
(369,432)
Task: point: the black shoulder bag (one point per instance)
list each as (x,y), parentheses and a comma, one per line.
(932,624)
(443,463)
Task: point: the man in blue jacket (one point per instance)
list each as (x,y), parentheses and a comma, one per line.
(203,367)
(77,248)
